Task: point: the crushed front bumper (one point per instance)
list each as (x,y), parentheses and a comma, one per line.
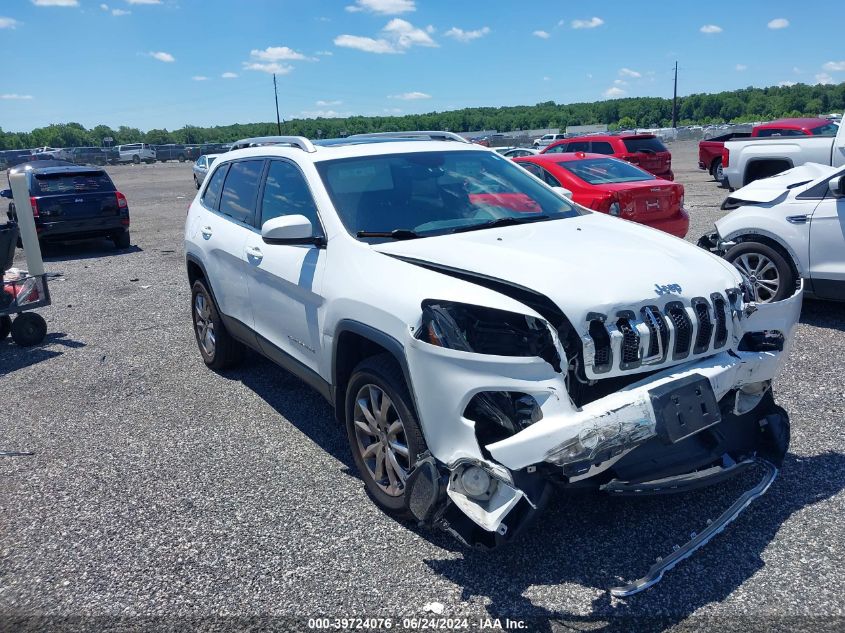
(617,441)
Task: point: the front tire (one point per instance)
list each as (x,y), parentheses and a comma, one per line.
(136,160)
(29,329)
(382,429)
(771,276)
(217,347)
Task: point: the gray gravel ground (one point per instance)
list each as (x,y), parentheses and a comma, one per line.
(159,488)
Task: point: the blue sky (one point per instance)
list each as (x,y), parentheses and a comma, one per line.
(166,63)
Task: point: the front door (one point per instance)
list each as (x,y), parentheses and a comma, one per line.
(827,248)
(285,281)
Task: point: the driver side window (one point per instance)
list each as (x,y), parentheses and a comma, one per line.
(286,193)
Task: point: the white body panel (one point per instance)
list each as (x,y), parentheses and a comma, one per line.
(796,150)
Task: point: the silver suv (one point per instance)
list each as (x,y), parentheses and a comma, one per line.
(135,153)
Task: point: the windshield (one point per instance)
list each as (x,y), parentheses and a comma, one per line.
(432,193)
(602,171)
(825,130)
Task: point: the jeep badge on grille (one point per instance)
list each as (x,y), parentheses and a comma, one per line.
(667,289)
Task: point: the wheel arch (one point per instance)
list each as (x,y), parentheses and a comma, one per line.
(353,342)
(776,243)
(753,163)
(197,272)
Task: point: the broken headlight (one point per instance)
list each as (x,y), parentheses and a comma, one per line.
(481,330)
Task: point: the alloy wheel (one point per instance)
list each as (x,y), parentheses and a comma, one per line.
(205,325)
(381,439)
(762,273)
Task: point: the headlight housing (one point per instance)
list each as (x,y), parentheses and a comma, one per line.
(482,330)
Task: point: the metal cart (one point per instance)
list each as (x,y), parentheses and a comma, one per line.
(22,293)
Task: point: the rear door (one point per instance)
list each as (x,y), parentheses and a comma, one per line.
(227,220)
(80,195)
(827,248)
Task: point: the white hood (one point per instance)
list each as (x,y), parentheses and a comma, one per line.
(772,188)
(590,263)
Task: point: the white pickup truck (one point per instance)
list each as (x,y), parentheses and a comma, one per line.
(749,159)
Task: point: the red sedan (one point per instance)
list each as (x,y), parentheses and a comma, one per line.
(614,186)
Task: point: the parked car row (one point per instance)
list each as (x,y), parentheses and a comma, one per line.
(136,153)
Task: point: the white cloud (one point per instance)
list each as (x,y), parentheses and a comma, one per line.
(383,7)
(834,66)
(324,53)
(274,68)
(741,67)
(199,78)
(104,7)
(824,79)
(587,24)
(710,29)
(277,54)
(163,57)
(543,35)
(614,92)
(786,84)
(397,37)
(778,23)
(144,1)
(119,12)
(620,82)
(229,75)
(8,23)
(627,72)
(410,96)
(324,104)
(16,97)
(56,3)
(466,36)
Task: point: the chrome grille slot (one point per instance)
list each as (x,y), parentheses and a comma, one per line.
(719,305)
(658,340)
(705,325)
(630,342)
(601,339)
(682,325)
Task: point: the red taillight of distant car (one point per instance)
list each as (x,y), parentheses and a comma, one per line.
(34,203)
(726,154)
(121,200)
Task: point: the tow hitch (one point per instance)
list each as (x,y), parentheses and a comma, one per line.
(698,540)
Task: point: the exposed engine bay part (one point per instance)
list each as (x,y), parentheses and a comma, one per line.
(699,540)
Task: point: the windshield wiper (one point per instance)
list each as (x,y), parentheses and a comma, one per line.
(500,222)
(395,234)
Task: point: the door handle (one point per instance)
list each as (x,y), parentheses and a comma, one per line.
(254,252)
(206,232)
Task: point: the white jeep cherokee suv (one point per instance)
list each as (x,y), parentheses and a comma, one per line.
(481,336)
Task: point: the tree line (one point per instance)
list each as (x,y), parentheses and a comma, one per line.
(738,106)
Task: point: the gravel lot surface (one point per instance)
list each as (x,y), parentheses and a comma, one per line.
(159,488)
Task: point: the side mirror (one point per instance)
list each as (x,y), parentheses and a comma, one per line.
(6,193)
(837,186)
(566,193)
(289,229)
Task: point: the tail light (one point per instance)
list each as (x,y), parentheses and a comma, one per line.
(726,155)
(34,203)
(121,201)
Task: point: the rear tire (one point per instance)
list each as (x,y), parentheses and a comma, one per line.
(136,160)
(771,276)
(29,329)
(217,347)
(386,441)
(122,240)
(716,170)
(5,327)
(181,158)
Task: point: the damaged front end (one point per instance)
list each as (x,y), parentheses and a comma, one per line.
(649,400)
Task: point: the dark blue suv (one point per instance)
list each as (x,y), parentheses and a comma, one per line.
(74,203)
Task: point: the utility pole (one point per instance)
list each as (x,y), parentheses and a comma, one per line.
(276,92)
(675,100)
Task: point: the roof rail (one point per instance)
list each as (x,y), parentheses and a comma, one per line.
(294,141)
(432,135)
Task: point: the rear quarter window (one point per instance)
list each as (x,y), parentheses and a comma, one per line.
(211,195)
(601,147)
(647,145)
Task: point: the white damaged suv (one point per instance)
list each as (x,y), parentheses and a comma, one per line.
(481,336)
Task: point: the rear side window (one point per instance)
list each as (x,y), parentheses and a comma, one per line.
(578,146)
(826,130)
(211,195)
(601,147)
(287,193)
(558,149)
(240,190)
(649,145)
(86,182)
